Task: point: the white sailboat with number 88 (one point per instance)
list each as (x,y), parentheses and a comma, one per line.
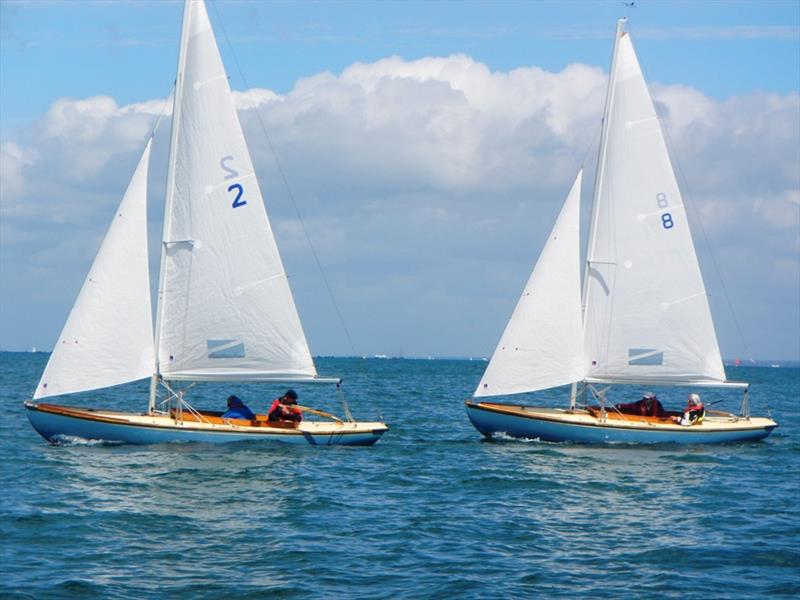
(642,315)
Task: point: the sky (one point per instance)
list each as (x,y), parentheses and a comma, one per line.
(428,147)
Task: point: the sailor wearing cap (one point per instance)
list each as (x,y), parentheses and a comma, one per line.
(285,408)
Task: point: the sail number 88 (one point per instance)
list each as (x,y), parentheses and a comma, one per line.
(666,218)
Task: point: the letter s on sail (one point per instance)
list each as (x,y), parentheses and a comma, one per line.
(231,173)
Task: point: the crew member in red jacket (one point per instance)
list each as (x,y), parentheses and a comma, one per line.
(285,408)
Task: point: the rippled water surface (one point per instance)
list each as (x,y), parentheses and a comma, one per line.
(431,511)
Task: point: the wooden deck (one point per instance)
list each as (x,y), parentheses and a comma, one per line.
(216,419)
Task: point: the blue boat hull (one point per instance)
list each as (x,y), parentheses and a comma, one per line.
(491,421)
(56,427)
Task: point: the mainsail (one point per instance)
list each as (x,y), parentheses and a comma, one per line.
(646,310)
(225,308)
(108,336)
(542,345)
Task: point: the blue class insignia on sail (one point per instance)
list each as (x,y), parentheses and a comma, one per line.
(225,349)
(645,356)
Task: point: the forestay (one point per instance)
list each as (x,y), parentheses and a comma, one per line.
(108,337)
(646,314)
(225,307)
(542,345)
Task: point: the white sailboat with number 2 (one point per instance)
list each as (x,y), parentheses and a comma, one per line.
(642,315)
(225,312)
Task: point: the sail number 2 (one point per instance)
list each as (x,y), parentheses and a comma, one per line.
(666,218)
(234,187)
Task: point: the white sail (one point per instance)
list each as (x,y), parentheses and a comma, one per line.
(542,345)
(225,307)
(108,336)
(646,312)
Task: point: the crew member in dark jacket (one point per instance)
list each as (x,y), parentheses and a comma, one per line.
(648,406)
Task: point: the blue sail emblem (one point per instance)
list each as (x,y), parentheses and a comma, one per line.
(645,356)
(225,348)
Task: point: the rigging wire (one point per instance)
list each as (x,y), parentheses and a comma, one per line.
(161,114)
(591,144)
(345,404)
(286,185)
(153,385)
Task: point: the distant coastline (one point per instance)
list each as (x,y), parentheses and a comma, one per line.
(728,362)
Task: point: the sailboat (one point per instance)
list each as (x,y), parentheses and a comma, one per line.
(641,316)
(225,312)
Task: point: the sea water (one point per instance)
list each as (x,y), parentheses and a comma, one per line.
(432,511)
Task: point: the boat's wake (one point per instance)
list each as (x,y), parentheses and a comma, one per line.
(73,440)
(502,436)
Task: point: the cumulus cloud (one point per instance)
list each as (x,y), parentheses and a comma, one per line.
(96,129)
(427,187)
(13,160)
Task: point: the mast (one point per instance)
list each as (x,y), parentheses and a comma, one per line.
(598,179)
(170,193)
(601,159)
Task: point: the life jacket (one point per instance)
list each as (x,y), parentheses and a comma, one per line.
(295,414)
(695,413)
(275,412)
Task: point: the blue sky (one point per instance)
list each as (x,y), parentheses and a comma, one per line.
(57,48)
(429,208)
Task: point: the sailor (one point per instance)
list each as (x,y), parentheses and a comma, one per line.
(285,408)
(693,413)
(648,406)
(237,409)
